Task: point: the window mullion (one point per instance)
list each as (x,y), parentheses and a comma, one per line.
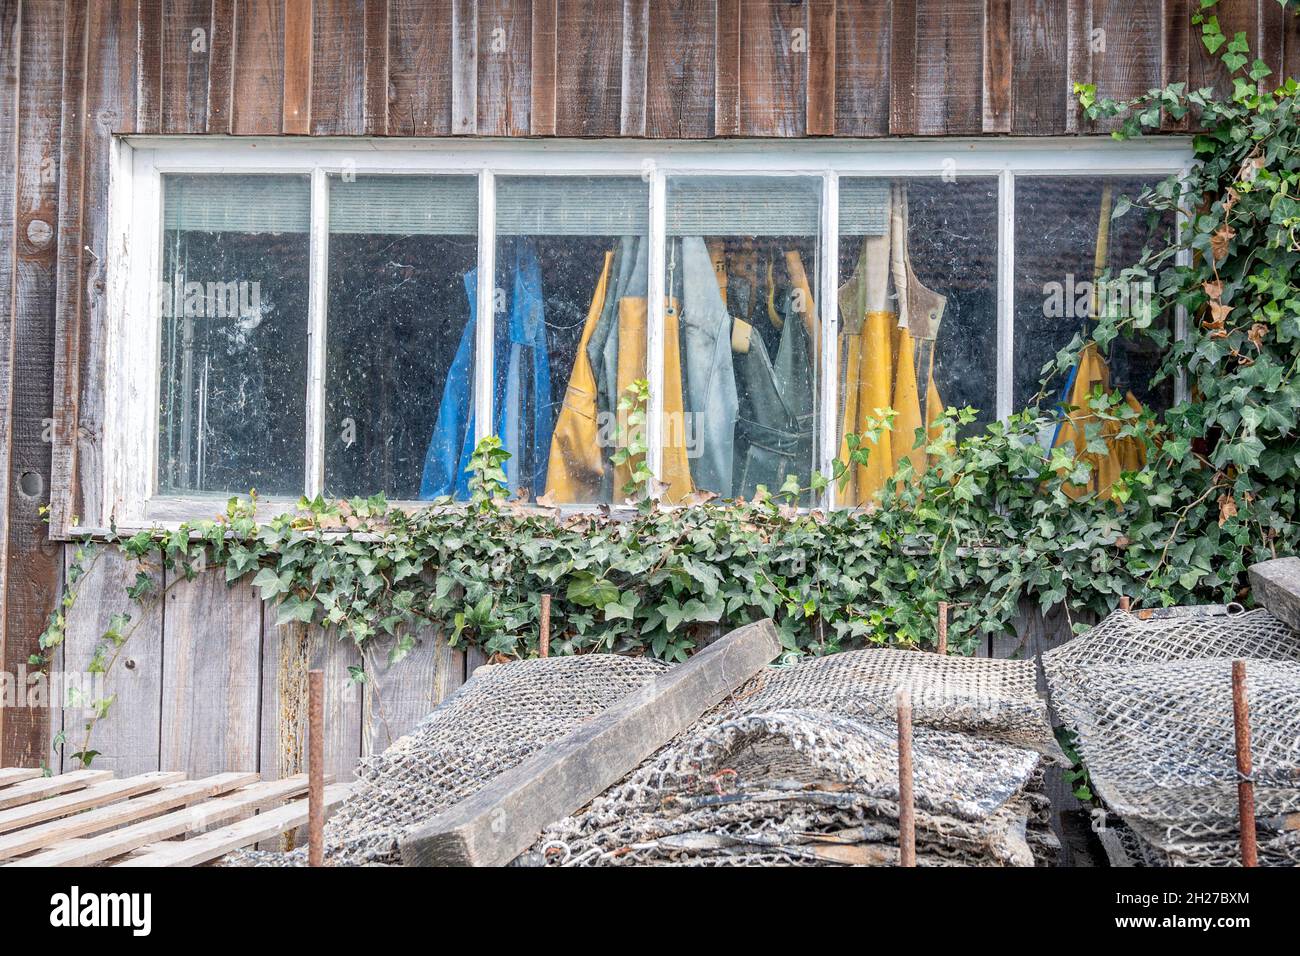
(828,306)
(485,296)
(1006,293)
(318,270)
(655,327)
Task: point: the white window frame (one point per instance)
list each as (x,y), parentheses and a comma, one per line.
(133,325)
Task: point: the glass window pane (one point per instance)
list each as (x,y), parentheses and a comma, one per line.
(400,343)
(917,312)
(233,379)
(570,329)
(741,334)
(1068,247)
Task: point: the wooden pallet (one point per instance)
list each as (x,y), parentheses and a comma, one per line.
(88,817)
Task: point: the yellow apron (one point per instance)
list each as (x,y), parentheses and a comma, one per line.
(1123,454)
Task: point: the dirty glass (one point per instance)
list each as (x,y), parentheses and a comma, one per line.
(233,303)
(741,334)
(570,331)
(1070,251)
(917,316)
(400,340)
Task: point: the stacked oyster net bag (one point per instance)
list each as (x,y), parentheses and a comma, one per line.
(798,766)
(1151,703)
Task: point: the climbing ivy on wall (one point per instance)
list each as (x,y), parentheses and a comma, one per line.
(988,523)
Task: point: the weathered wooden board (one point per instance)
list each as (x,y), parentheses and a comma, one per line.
(397,696)
(298,30)
(419,67)
(950,68)
(589,68)
(1124,45)
(504,68)
(127,738)
(217,843)
(212,647)
(238,805)
(1277,586)
(119,814)
(110,791)
(184,54)
(862,75)
(493,826)
(338,68)
(43,788)
(258,68)
(680,72)
(773,68)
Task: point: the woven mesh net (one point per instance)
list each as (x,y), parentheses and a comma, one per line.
(1151,703)
(799,765)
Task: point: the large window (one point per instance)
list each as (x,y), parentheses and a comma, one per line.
(348,320)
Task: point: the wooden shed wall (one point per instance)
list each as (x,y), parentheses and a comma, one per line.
(73,74)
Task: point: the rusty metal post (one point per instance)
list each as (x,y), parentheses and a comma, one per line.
(1245,785)
(544,645)
(1125,604)
(315,768)
(943,628)
(906,810)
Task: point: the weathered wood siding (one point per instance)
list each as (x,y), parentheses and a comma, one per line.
(74,73)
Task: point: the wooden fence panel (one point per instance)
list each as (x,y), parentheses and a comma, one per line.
(397,696)
(128,736)
(212,644)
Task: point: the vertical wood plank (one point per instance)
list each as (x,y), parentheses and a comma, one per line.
(1205,68)
(338,68)
(1040,85)
(680,69)
(186,46)
(862,67)
(258,77)
(1174,53)
(221,65)
(10,72)
(823,51)
(726,85)
(398,696)
(298,44)
(149,67)
(998,66)
(773,68)
(949,67)
(1125,49)
(109,88)
(903,119)
(343,700)
(419,67)
(543,64)
(1269,44)
(67,300)
(211,673)
(375,67)
(128,737)
(636,50)
(1078,61)
(589,79)
(31,564)
(1290,47)
(504,68)
(464,67)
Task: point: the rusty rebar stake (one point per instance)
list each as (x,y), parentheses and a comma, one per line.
(315,768)
(906,810)
(1245,785)
(544,644)
(1125,603)
(943,628)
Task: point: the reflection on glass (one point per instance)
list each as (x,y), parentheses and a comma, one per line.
(1070,251)
(570,330)
(233,301)
(741,334)
(918,316)
(399,365)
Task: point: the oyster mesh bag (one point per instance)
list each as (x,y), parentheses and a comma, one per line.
(1151,704)
(800,765)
